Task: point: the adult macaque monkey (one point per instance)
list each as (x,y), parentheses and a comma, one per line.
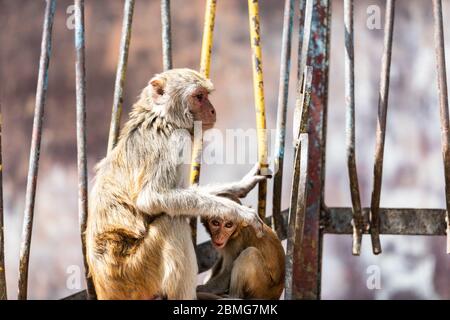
(248,267)
(138,237)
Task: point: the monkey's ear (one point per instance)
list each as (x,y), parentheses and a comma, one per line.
(158,84)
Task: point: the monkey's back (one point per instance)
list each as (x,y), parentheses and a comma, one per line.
(272,251)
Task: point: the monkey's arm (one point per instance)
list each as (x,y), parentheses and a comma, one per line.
(238,189)
(191,202)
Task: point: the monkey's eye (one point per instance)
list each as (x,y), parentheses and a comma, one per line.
(215,223)
(229,225)
(199,97)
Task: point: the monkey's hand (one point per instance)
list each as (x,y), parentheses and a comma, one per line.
(238,189)
(245,214)
(249,181)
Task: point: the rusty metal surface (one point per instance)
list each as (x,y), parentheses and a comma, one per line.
(166,35)
(381,125)
(443,103)
(41,92)
(297,218)
(80,82)
(283,91)
(307,270)
(121,74)
(350,126)
(298,186)
(398,221)
(3,291)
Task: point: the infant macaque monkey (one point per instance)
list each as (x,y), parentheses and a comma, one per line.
(249,267)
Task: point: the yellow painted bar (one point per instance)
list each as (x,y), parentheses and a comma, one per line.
(258,88)
(205,64)
(207,41)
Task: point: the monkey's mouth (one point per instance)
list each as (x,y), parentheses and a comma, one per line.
(206,126)
(219,245)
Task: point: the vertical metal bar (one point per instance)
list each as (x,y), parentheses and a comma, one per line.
(283,92)
(205,66)
(443,103)
(308,254)
(207,41)
(303,49)
(357,221)
(298,193)
(166,35)
(258,89)
(381,127)
(80,81)
(121,74)
(3,291)
(41,92)
(301,25)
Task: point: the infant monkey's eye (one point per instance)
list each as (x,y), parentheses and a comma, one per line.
(199,97)
(229,225)
(215,223)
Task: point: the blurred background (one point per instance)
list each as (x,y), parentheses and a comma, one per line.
(409,268)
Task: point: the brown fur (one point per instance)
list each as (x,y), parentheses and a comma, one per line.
(249,267)
(138,237)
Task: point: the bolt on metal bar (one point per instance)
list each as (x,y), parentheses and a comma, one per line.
(258,89)
(121,74)
(381,126)
(205,67)
(350,126)
(166,35)
(3,291)
(298,194)
(283,92)
(41,92)
(80,83)
(443,103)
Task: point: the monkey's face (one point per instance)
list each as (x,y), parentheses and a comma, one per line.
(221,231)
(181,96)
(202,109)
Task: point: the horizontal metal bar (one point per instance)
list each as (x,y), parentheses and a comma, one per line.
(426,222)
(396,221)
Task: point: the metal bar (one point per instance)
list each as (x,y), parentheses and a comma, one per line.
(258,90)
(350,126)
(301,25)
(3,291)
(80,75)
(283,92)
(303,49)
(381,126)
(121,74)
(207,41)
(166,35)
(205,66)
(443,103)
(307,268)
(298,190)
(41,92)
(396,221)
(296,235)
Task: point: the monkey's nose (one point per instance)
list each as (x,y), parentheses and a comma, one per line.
(213,112)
